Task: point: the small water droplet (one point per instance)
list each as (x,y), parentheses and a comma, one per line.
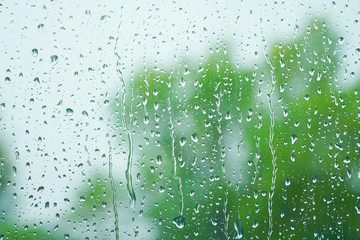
(158,159)
(282,213)
(315,178)
(35,52)
(341,40)
(7,80)
(182,141)
(54,59)
(287,181)
(37,80)
(146,119)
(293,138)
(40,27)
(85,113)
(357,51)
(214,221)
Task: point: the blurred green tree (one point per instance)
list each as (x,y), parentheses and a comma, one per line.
(202,135)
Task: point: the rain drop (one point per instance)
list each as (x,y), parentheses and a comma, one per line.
(179,222)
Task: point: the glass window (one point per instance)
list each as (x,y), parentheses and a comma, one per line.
(179,120)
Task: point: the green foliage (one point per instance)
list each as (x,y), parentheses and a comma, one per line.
(219,113)
(4,171)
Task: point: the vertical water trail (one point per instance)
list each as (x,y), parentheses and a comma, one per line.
(113,189)
(174,160)
(222,155)
(272,149)
(128,175)
(226,215)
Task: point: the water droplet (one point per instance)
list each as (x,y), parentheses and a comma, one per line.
(69,112)
(282,213)
(314,180)
(357,207)
(341,40)
(255,223)
(194,138)
(37,80)
(54,59)
(238,228)
(287,181)
(179,222)
(214,221)
(35,52)
(182,141)
(159,159)
(40,189)
(146,119)
(357,51)
(293,138)
(85,113)
(228,115)
(7,80)
(282,63)
(14,171)
(346,159)
(104,17)
(40,27)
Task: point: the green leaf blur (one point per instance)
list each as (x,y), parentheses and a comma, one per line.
(219,112)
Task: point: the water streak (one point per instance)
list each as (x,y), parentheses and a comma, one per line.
(174,160)
(128,175)
(113,189)
(272,149)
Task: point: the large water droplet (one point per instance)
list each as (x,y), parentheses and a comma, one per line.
(238,228)
(194,138)
(69,112)
(179,222)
